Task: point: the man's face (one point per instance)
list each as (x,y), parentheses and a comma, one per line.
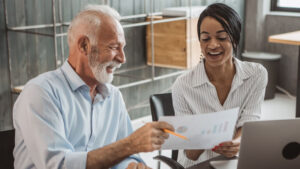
(109,53)
(100,70)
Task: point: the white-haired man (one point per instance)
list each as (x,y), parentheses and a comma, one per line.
(73,117)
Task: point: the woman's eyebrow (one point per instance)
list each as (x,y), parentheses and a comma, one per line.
(220,31)
(203,32)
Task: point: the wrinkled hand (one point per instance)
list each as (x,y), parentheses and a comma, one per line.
(229,148)
(134,165)
(150,137)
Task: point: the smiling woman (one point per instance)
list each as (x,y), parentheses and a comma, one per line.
(225,17)
(215,43)
(220,81)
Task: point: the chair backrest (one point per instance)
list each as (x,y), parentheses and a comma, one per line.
(161,105)
(7,143)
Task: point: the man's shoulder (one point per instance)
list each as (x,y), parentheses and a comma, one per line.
(47,80)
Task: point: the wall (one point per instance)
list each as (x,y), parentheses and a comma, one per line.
(277,23)
(5,101)
(261,23)
(34,54)
(254,24)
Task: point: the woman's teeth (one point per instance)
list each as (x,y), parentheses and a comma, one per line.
(214,53)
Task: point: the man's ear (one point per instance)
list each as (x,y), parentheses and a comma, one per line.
(84,45)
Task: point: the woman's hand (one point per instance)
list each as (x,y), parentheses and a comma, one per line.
(228,149)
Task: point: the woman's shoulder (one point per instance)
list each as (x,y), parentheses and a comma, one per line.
(252,69)
(187,78)
(255,73)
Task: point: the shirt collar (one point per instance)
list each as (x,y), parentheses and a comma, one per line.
(200,76)
(241,70)
(240,74)
(76,82)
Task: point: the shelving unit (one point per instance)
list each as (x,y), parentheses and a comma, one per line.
(125,76)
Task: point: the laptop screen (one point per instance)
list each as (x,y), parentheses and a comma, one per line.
(273,144)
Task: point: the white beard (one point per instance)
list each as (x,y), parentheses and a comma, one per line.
(99,69)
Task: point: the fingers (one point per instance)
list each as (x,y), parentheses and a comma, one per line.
(141,166)
(230,143)
(160,133)
(156,131)
(156,147)
(158,140)
(227,153)
(150,137)
(163,125)
(134,165)
(228,149)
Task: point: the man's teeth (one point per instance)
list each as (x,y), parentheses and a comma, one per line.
(112,67)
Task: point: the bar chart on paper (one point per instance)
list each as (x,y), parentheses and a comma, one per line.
(204,131)
(216,129)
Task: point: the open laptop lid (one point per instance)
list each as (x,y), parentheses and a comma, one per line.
(263,144)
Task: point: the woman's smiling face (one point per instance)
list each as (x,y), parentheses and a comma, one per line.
(215,42)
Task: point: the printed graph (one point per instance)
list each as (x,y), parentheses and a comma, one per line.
(216,129)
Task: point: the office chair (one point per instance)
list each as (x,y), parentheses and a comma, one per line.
(7,143)
(161,105)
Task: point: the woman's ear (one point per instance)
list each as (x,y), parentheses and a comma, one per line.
(84,46)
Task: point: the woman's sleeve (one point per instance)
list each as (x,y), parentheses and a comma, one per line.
(180,104)
(251,109)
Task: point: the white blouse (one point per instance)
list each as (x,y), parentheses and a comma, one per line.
(193,93)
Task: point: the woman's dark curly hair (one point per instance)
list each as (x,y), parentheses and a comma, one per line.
(228,18)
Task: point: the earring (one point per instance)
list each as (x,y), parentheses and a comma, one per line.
(201,56)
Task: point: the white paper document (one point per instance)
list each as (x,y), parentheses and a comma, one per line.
(204,131)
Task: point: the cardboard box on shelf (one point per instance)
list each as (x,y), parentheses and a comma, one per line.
(176,43)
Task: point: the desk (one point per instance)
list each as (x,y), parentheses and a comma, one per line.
(291,38)
(206,165)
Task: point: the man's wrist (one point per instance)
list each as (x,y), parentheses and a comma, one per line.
(129,147)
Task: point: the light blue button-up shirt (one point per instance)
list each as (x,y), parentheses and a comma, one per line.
(57,123)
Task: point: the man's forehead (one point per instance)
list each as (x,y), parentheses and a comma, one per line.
(111,29)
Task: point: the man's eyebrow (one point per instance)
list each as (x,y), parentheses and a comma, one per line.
(115,43)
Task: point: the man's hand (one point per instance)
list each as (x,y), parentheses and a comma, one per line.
(134,165)
(193,154)
(150,137)
(229,148)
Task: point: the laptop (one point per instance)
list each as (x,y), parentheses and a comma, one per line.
(273,144)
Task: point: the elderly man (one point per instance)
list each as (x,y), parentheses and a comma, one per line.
(73,117)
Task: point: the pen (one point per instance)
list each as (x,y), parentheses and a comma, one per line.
(171,132)
(175,134)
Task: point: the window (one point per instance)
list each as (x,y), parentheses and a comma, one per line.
(285,5)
